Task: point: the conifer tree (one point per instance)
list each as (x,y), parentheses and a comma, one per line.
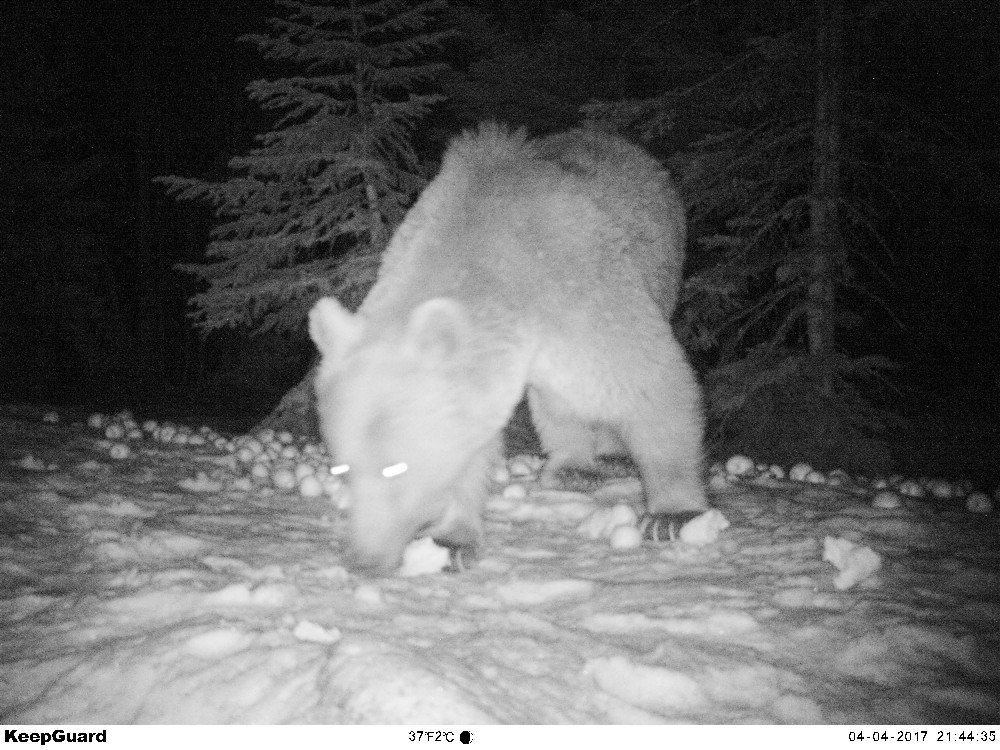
(780,186)
(309,210)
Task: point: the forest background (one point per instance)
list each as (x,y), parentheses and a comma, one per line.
(838,159)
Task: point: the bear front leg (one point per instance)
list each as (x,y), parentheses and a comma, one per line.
(461,527)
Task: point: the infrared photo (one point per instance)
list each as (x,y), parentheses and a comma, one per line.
(505,362)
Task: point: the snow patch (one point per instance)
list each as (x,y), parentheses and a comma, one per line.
(121,509)
(654,689)
(200,483)
(31,463)
(515,492)
(795,598)
(553,505)
(272,595)
(237,594)
(704,529)
(724,623)
(422,557)
(600,523)
(217,644)
(886,500)
(154,544)
(979,502)
(530,593)
(310,486)
(797,709)
(739,465)
(305,630)
(550,513)
(855,563)
(376,686)
(624,537)
(237,608)
(606,622)
(370,594)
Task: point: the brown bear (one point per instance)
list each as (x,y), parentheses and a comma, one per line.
(548,266)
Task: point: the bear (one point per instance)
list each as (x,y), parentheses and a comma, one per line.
(548,267)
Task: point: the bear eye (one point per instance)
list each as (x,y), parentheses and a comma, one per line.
(339,470)
(394,470)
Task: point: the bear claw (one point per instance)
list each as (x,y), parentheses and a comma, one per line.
(665,527)
(460,559)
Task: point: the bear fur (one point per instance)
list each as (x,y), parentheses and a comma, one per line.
(549,266)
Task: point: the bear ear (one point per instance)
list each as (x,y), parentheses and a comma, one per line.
(437,329)
(333,328)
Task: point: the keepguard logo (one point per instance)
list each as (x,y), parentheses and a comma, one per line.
(56,735)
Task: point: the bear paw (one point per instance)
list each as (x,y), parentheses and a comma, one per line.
(461,559)
(665,527)
(694,527)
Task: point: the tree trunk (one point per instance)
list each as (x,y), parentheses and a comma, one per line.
(827,242)
(296,411)
(141,114)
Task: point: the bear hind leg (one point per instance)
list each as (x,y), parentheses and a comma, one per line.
(662,432)
(572,444)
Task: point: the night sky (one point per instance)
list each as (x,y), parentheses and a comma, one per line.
(151,88)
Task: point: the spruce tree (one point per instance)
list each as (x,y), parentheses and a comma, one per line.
(781,186)
(310,209)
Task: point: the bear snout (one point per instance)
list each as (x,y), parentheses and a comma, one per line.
(380,529)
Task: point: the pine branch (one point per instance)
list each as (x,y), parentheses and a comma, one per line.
(305,211)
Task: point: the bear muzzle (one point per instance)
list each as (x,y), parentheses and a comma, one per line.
(380,529)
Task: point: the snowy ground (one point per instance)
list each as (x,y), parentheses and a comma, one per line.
(166,586)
